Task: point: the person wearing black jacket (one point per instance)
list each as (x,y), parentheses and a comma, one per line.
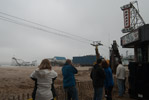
(35,88)
(98,76)
(53,88)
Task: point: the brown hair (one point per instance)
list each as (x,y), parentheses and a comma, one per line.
(45,64)
(68,61)
(105,64)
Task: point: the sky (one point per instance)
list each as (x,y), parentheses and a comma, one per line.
(61,27)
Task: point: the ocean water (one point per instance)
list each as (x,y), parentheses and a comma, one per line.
(6,65)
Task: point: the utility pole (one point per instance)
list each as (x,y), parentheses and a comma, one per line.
(96,44)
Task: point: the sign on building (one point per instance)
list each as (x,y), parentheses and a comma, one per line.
(129,38)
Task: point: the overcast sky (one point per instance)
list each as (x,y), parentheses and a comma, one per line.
(91,20)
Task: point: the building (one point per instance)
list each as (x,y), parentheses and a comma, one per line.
(57,61)
(87,60)
(138,70)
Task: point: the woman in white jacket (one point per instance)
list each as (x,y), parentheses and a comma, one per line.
(43,76)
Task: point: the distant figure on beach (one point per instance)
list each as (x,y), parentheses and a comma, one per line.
(108,83)
(120,75)
(98,77)
(69,83)
(43,76)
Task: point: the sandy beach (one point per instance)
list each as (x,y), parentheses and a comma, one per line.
(16,80)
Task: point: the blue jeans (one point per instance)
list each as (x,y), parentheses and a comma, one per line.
(98,93)
(120,84)
(71,92)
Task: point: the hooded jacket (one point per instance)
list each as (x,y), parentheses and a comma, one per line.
(44,81)
(98,76)
(68,72)
(109,78)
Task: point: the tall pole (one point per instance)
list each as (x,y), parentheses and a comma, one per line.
(96,44)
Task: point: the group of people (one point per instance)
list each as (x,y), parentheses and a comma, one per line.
(101,75)
(44,78)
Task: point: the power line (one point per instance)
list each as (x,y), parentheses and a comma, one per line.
(69,35)
(38,28)
(44,26)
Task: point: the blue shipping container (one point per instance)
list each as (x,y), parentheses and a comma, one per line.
(88,60)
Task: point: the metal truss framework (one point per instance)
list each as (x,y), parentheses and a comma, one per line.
(136,20)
